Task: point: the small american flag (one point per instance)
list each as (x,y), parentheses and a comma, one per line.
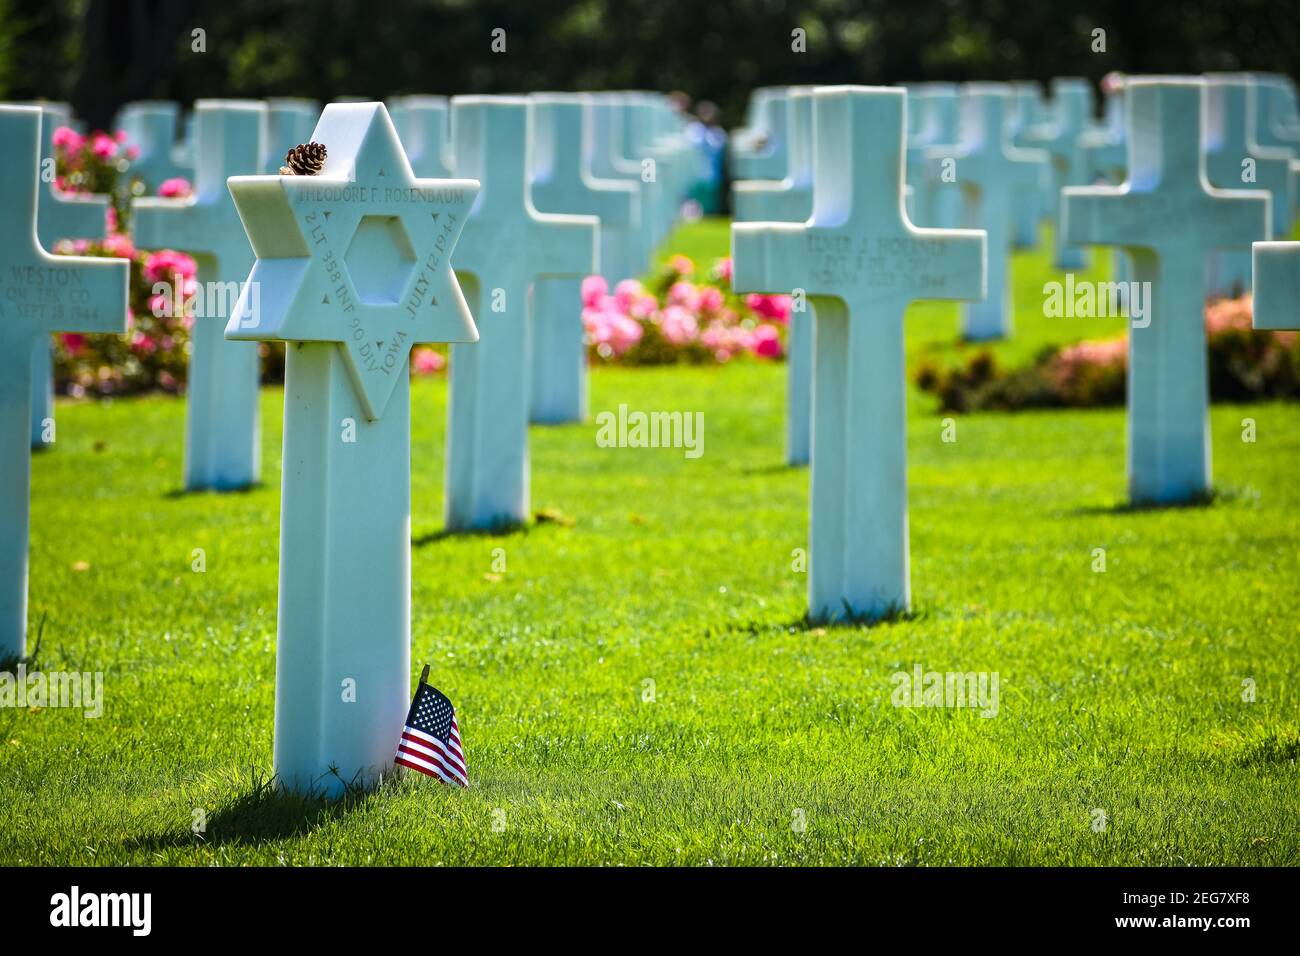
(431,740)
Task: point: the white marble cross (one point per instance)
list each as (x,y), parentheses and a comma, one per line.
(1277,285)
(646,139)
(1071,116)
(40,294)
(992,172)
(289,122)
(1277,117)
(58,216)
(935,202)
(1234,159)
(353,267)
(862,263)
(790,200)
(605,156)
(506,247)
(1030,115)
(422,125)
(759,149)
(150,126)
(222,442)
(1168,218)
(562,182)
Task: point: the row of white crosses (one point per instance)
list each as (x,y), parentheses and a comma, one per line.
(353,267)
(861,262)
(242,137)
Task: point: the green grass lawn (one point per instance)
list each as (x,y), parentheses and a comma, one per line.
(1120,691)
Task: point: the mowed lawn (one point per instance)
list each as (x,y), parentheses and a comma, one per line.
(761,740)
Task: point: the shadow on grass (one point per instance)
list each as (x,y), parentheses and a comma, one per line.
(850,620)
(176,494)
(30,662)
(1205,500)
(263,813)
(500,529)
(780,468)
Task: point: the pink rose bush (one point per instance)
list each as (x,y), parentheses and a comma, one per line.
(154,352)
(1244,365)
(681,318)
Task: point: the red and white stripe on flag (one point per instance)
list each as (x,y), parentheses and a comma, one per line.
(427,754)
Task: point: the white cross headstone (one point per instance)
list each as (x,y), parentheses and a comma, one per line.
(605,156)
(1278,112)
(937,201)
(626,128)
(354,268)
(992,172)
(40,294)
(648,141)
(562,182)
(1071,111)
(1234,159)
(150,126)
(58,216)
(862,263)
(1168,218)
(289,123)
(790,200)
(1277,285)
(506,247)
(759,150)
(222,442)
(422,125)
(1030,114)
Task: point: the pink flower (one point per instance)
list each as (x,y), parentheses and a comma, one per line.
(120,136)
(426,361)
(177,188)
(766,341)
(74,342)
(133,153)
(711,299)
(103,146)
(722,269)
(67,138)
(119,245)
(161,266)
(612,332)
(627,292)
(774,307)
(594,288)
(143,343)
(682,265)
(684,294)
(1095,352)
(678,325)
(631,298)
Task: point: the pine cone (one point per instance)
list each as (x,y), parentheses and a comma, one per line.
(304,160)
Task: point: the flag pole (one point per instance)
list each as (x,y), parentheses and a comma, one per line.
(424,675)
